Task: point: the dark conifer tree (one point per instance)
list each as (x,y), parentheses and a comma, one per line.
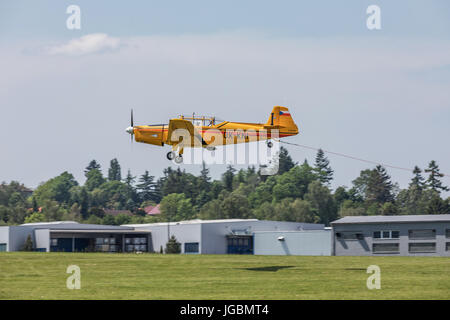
(114,171)
(418,181)
(433,181)
(93,165)
(285,161)
(380,187)
(227,178)
(322,168)
(146,187)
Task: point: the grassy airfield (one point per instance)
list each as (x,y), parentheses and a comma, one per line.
(156,276)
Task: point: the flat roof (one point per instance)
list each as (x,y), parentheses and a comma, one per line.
(195,221)
(73,225)
(393,219)
(100,231)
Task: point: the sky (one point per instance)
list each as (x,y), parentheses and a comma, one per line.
(65,95)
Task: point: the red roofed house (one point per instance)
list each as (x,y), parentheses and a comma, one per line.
(152,210)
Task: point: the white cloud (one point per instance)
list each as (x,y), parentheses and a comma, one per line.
(91,43)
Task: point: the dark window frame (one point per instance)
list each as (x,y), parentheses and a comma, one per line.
(423,237)
(412,244)
(188,244)
(385,244)
(382,237)
(350,235)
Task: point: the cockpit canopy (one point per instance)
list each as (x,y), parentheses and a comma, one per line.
(201,120)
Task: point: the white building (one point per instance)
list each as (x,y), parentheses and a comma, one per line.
(233,236)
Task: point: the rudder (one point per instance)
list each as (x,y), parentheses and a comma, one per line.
(281,117)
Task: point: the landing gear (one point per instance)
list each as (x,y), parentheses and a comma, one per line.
(176,155)
(269,144)
(171,155)
(179,159)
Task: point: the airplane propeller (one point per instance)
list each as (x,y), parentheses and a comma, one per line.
(130,129)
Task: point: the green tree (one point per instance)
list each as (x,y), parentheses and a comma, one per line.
(438,206)
(228,178)
(418,180)
(111,195)
(173,246)
(93,165)
(434,179)
(322,202)
(204,180)
(94,179)
(350,208)
(146,187)
(340,195)
(108,220)
(389,209)
(114,171)
(375,185)
(28,246)
(52,210)
(121,219)
(302,211)
(176,207)
(57,189)
(322,168)
(235,206)
(285,162)
(35,217)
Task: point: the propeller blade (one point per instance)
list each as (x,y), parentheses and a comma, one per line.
(132,121)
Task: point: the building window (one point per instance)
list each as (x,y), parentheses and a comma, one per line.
(191,247)
(349,235)
(422,247)
(385,248)
(447,233)
(2,247)
(53,242)
(386,234)
(447,246)
(423,234)
(133,244)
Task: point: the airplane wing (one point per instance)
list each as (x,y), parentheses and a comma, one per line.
(187,129)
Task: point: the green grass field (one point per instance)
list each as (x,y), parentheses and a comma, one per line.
(156,276)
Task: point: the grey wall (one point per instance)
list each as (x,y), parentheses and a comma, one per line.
(314,243)
(184,233)
(42,239)
(211,236)
(364,247)
(4,236)
(214,234)
(17,237)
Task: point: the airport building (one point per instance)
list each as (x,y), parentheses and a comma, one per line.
(70,236)
(228,236)
(241,236)
(414,235)
(418,235)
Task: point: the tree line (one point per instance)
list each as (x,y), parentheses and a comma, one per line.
(298,192)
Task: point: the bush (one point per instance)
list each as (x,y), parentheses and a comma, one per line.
(28,246)
(173,246)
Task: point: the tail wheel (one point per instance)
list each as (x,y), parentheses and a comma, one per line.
(179,159)
(269,144)
(171,155)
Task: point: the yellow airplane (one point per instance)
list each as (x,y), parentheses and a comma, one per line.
(209,132)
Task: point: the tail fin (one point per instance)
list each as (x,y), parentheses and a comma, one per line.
(280,116)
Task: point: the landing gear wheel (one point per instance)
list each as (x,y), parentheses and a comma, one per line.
(179,159)
(269,144)
(171,155)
